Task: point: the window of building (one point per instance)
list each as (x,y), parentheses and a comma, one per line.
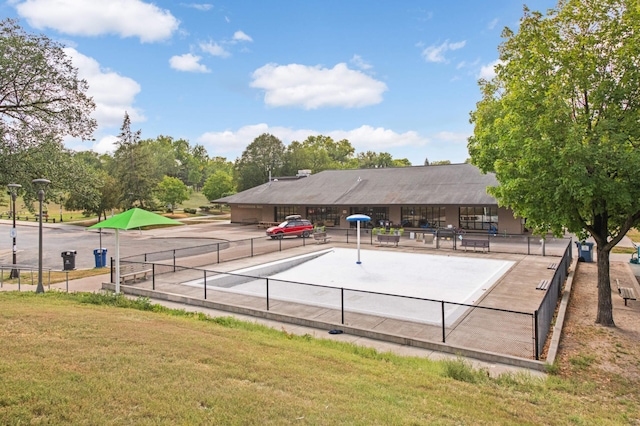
(327,215)
(478,218)
(422,216)
(378,215)
(281,212)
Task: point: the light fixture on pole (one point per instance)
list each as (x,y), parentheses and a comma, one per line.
(13,190)
(42,185)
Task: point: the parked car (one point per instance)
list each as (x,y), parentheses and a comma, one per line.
(293,225)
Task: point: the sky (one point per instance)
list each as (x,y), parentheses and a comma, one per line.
(390,76)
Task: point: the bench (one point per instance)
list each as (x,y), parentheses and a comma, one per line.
(627,293)
(543,285)
(321,237)
(133,272)
(552,266)
(267,224)
(483,244)
(389,239)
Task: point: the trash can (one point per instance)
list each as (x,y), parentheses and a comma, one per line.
(68,260)
(585,251)
(101,257)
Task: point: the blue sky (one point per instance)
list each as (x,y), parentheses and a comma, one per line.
(389,76)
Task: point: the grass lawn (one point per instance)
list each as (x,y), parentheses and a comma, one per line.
(92,359)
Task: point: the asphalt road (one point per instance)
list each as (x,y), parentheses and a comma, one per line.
(58,238)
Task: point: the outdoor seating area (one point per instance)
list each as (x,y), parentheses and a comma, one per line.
(388,239)
(627,293)
(467,243)
(133,272)
(321,237)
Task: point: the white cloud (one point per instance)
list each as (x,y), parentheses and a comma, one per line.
(493,24)
(199,6)
(241,36)
(187,62)
(487,72)
(126,18)
(435,53)
(360,63)
(312,87)
(214,49)
(112,93)
(363,138)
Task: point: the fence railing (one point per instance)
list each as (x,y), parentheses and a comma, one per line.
(32,269)
(470,326)
(545,313)
(520,334)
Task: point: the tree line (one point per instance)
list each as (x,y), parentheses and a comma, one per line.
(42,101)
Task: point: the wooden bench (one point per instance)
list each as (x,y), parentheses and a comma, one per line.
(267,224)
(483,244)
(133,272)
(627,293)
(543,285)
(389,239)
(321,237)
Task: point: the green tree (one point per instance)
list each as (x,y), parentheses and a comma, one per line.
(264,156)
(440,162)
(218,185)
(560,125)
(134,168)
(41,96)
(172,191)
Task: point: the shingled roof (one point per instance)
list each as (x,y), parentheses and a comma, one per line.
(436,185)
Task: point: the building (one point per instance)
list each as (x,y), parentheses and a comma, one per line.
(410,197)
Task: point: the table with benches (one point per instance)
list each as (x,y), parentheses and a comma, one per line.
(466,243)
(133,272)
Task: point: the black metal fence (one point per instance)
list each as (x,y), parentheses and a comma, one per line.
(470,326)
(545,313)
(521,334)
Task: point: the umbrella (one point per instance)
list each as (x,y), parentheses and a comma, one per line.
(133,218)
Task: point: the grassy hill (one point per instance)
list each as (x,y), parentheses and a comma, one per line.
(99,359)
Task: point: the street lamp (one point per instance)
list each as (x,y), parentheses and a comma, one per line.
(42,184)
(13,190)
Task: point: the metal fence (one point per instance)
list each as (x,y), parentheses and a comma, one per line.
(545,313)
(469,326)
(521,334)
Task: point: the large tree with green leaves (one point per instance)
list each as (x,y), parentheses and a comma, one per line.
(559,125)
(41,96)
(262,158)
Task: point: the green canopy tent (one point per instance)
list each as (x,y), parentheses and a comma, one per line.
(131,219)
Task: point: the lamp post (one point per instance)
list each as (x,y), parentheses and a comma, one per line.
(13,190)
(42,184)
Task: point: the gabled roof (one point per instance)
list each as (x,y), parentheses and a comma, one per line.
(436,185)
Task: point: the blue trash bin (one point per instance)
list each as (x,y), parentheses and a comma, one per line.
(585,251)
(101,257)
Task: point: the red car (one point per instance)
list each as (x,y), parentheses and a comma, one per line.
(293,225)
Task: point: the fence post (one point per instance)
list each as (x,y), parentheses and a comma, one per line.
(342,301)
(535,335)
(153,276)
(67,281)
(174,260)
(528,245)
(443,327)
(267,293)
(218,251)
(205,285)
